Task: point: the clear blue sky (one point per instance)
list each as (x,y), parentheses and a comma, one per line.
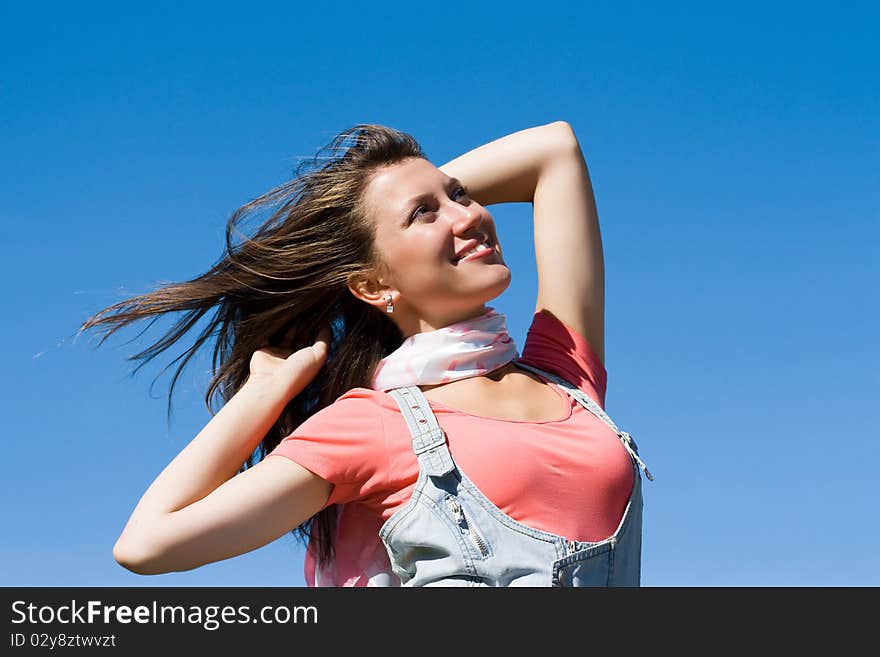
(735,156)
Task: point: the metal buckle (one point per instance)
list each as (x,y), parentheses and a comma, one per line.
(439,439)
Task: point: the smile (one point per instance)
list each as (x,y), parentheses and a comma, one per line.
(479,251)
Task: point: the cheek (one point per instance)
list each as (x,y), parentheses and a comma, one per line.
(419,250)
(493,233)
(413,263)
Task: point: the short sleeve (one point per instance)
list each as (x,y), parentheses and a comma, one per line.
(556,347)
(343,443)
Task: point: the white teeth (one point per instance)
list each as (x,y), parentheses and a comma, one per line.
(479,247)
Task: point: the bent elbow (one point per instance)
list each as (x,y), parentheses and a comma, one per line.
(135,558)
(565,137)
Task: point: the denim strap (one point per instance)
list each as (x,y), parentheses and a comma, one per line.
(428,439)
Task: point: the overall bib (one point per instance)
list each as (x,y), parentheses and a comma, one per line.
(450,534)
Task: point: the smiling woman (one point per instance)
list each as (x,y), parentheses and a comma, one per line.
(422,238)
(411,442)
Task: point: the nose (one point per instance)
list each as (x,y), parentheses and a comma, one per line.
(467,218)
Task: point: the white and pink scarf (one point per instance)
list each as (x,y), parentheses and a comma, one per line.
(472,347)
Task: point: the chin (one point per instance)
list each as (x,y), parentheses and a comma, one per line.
(500,286)
(505,278)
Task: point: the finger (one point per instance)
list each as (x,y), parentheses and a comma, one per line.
(321,347)
(302,365)
(324,335)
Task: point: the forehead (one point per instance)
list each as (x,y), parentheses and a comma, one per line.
(392,187)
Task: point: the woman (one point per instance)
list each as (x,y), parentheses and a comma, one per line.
(377,406)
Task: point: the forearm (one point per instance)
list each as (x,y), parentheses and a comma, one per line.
(506,170)
(216,453)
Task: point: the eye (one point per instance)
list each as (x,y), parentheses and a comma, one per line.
(459,191)
(419,211)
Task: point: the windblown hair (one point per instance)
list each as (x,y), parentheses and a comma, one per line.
(282,285)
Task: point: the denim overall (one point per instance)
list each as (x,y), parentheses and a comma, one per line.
(450,534)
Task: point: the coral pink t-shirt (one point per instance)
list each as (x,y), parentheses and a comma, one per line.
(569,476)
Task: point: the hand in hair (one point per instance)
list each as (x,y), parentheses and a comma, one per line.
(287,369)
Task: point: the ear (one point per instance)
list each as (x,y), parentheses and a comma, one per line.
(371,289)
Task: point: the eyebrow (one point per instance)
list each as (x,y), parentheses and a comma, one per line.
(411,204)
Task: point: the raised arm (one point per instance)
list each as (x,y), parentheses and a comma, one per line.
(545,166)
(198,511)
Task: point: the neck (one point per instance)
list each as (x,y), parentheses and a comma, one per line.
(412,324)
(471,345)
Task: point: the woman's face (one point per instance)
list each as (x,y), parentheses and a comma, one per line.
(426,230)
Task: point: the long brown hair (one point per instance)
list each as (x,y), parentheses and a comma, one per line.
(280,286)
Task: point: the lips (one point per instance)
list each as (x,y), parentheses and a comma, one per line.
(479,254)
(468,246)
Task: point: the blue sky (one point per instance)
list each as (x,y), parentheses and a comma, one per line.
(735,156)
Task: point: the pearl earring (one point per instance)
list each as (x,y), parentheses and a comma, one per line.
(389,307)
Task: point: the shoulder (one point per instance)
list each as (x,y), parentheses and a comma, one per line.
(556,347)
(356,404)
(354,415)
(343,441)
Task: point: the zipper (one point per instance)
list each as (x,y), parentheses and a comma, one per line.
(465,526)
